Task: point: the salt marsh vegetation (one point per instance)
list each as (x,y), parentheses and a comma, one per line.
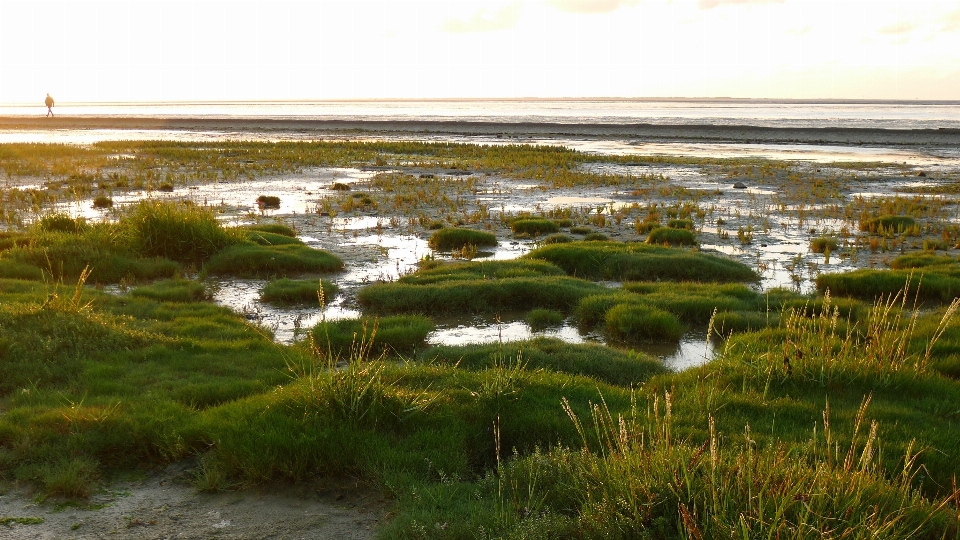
(826,291)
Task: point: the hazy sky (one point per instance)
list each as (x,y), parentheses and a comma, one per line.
(196,50)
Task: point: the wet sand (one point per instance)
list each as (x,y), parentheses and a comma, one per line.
(640,131)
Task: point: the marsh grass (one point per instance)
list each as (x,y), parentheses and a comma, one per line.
(640,262)
(637,323)
(182,233)
(672,236)
(540,319)
(456,238)
(273,228)
(824,244)
(533,226)
(173,290)
(401,334)
(268,201)
(298,291)
(893,224)
(872,284)
(250,260)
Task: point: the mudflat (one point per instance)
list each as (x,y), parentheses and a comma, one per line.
(640,131)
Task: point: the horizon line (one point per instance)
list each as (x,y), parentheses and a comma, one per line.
(668,99)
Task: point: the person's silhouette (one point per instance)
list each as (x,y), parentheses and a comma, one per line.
(49,103)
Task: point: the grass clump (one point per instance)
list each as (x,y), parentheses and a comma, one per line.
(640,262)
(533,226)
(450,238)
(270,239)
(823,244)
(680,224)
(890,224)
(539,319)
(477,287)
(256,260)
(634,323)
(298,291)
(558,238)
(671,236)
(60,222)
(173,290)
(401,334)
(579,229)
(273,228)
(181,233)
(268,201)
(872,284)
(612,366)
(921,260)
(595,237)
(102,201)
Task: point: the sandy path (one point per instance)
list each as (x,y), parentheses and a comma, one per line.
(164,506)
(847,136)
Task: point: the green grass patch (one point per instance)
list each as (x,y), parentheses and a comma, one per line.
(450,238)
(401,334)
(248,260)
(921,260)
(890,224)
(173,290)
(533,226)
(680,224)
(273,228)
(298,291)
(558,238)
(822,244)
(871,284)
(671,236)
(635,323)
(182,233)
(640,262)
(539,319)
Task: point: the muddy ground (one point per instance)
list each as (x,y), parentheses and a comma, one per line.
(166,505)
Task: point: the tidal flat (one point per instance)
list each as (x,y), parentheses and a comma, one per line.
(507,340)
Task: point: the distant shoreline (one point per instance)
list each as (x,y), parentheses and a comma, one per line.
(638,131)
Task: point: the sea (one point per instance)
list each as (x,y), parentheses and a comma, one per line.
(720,111)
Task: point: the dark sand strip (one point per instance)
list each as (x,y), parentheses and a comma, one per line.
(641,132)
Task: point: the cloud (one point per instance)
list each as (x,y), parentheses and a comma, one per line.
(486,20)
(592,6)
(898,28)
(710,4)
(951,21)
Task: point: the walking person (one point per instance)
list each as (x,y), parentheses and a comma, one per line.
(49,103)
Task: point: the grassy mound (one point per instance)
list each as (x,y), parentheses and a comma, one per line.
(533,226)
(640,262)
(450,238)
(871,284)
(889,224)
(297,291)
(671,236)
(822,244)
(273,228)
(402,334)
(539,319)
(180,233)
(173,290)
(255,260)
(638,323)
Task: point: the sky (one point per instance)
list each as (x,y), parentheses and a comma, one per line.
(147,51)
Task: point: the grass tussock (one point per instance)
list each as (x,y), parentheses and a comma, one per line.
(672,236)
(540,319)
(640,262)
(298,291)
(402,334)
(248,260)
(533,226)
(450,238)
